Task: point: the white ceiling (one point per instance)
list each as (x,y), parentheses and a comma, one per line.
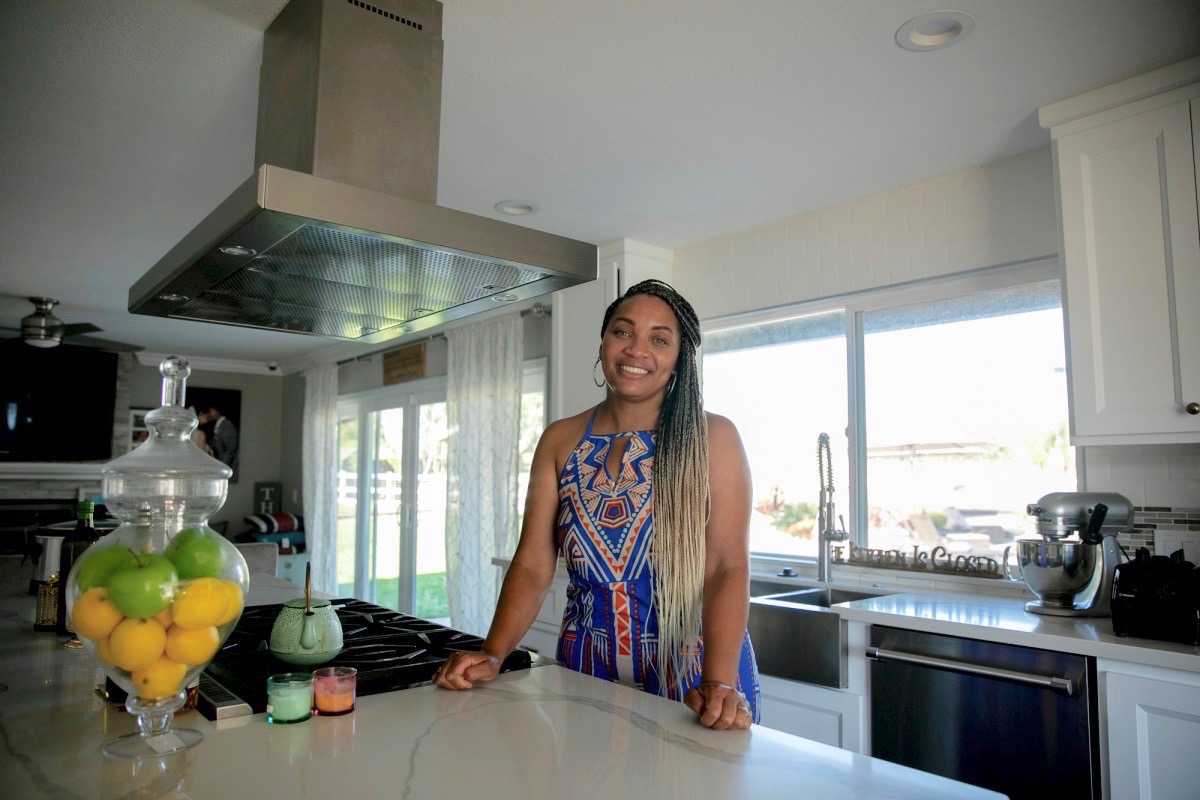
(124,122)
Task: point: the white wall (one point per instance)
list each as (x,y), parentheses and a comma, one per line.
(996,214)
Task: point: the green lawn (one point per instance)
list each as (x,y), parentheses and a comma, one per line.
(431,595)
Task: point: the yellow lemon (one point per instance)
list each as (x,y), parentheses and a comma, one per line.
(160,678)
(94,616)
(164,618)
(192,647)
(136,643)
(200,603)
(104,651)
(236,602)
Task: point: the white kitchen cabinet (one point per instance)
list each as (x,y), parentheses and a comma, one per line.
(1151,720)
(1130,249)
(829,716)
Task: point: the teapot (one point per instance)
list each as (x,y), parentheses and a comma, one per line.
(306,631)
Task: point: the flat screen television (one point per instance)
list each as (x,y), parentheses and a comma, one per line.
(56,404)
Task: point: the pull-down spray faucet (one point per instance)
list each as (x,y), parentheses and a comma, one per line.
(827,531)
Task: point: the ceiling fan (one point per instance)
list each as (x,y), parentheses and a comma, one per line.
(43,329)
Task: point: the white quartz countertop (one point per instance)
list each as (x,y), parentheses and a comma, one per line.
(1001,619)
(540,733)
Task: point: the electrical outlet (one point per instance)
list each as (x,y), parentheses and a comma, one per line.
(1167,542)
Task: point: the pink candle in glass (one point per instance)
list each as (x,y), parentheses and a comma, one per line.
(334,689)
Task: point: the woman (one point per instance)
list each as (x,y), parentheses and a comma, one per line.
(647,497)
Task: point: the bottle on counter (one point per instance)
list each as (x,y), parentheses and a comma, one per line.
(83,536)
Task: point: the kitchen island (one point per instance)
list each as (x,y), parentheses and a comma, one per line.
(543,732)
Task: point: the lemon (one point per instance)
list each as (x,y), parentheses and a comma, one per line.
(236,602)
(136,643)
(200,603)
(104,651)
(192,647)
(164,618)
(160,678)
(94,616)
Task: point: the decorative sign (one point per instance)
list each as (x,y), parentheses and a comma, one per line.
(268,497)
(935,560)
(404,364)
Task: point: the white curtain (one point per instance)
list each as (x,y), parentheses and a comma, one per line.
(483,397)
(320,474)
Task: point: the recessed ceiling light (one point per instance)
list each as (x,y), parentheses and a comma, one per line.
(238,250)
(935,30)
(505,298)
(518,208)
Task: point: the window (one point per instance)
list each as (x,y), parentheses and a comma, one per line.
(946,405)
(783,384)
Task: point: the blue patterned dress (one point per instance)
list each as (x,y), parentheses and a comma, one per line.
(604,531)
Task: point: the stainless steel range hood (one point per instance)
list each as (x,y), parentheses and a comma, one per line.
(338,233)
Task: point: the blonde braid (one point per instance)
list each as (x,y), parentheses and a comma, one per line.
(680,489)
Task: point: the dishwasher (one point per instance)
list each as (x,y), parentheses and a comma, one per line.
(1013,719)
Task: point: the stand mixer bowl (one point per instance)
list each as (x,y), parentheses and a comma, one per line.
(1057,570)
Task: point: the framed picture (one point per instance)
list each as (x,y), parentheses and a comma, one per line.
(138,432)
(220,415)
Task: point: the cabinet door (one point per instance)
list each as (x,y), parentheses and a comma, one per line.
(828,716)
(1131,254)
(1153,737)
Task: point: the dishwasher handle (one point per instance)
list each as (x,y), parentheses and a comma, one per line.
(1064,685)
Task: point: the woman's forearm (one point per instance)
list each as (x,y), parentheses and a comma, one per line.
(726,606)
(521,598)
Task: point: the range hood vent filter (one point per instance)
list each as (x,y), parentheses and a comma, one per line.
(336,283)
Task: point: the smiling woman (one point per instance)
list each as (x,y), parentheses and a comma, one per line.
(646,497)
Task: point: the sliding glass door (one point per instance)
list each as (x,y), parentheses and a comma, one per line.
(392,497)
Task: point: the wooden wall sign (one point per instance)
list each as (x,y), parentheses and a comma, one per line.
(404,364)
(935,560)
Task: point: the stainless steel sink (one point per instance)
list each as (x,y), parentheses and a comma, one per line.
(823,598)
(796,635)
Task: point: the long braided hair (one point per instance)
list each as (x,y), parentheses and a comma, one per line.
(680,489)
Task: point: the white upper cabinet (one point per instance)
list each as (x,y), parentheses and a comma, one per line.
(1130,245)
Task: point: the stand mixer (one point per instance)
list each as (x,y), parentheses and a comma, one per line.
(1073,577)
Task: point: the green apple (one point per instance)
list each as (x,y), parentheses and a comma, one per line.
(95,566)
(145,588)
(196,553)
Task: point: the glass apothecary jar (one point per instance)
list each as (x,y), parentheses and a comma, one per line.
(154,599)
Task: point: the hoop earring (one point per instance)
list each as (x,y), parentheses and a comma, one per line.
(599,383)
(671,383)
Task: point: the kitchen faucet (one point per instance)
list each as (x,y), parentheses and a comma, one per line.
(827,532)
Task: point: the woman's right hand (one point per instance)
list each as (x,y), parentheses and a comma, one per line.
(461,670)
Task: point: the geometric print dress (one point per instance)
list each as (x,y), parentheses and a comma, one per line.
(604,532)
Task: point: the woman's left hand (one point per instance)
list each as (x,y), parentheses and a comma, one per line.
(719,706)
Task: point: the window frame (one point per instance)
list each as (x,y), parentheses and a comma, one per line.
(855,305)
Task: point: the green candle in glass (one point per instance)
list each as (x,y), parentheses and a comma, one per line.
(289,697)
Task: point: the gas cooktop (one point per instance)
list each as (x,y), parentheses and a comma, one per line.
(390,650)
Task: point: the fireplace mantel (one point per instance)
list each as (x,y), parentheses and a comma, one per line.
(51,471)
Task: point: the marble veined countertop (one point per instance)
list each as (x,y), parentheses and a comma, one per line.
(1002,619)
(540,733)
